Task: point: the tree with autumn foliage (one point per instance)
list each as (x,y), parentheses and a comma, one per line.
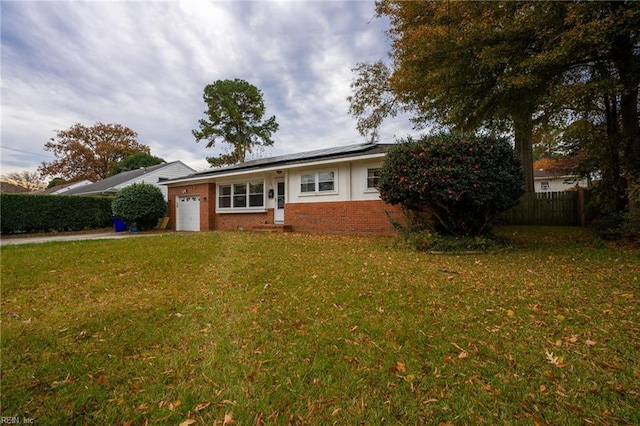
(509,66)
(27,180)
(83,152)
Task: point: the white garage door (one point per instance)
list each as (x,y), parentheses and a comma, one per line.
(188,213)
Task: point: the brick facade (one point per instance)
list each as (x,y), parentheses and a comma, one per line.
(207,193)
(209,220)
(341,217)
(347,217)
(243,220)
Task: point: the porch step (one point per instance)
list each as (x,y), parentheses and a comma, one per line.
(271,227)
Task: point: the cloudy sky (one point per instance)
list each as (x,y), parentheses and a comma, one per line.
(145,64)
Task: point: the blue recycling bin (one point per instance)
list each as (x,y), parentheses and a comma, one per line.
(118,225)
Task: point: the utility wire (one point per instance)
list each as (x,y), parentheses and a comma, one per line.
(25,152)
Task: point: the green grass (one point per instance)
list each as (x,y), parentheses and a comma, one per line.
(292,328)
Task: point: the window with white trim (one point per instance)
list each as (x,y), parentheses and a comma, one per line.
(544,185)
(256,194)
(224,196)
(317,182)
(373,178)
(243,195)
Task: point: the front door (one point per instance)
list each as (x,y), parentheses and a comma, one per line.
(278,213)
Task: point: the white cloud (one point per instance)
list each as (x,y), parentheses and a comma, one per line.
(145,64)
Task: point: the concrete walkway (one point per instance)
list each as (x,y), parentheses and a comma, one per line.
(72,237)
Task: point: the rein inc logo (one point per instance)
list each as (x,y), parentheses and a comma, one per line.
(17,420)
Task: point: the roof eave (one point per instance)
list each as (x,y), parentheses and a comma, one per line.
(269,168)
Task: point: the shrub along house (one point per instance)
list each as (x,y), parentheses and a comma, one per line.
(326,191)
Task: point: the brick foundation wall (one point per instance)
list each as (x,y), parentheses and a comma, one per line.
(348,217)
(243,220)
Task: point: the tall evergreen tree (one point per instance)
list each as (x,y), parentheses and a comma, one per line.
(235,109)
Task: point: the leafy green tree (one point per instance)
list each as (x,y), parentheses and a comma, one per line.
(83,152)
(469,65)
(597,97)
(510,66)
(140,203)
(135,161)
(456,183)
(235,109)
(373,98)
(55,182)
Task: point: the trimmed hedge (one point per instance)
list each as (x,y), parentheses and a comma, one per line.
(45,213)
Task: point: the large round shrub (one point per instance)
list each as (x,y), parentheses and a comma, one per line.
(455,183)
(140,203)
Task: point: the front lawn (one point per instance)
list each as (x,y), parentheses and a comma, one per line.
(247,328)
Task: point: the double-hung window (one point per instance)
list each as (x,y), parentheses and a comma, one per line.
(325,181)
(318,182)
(238,196)
(308,183)
(224,196)
(373,178)
(256,194)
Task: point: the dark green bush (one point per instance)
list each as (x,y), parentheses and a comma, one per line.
(45,213)
(141,204)
(453,184)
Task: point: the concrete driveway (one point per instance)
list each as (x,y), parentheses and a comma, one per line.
(72,237)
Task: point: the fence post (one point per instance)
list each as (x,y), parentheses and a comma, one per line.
(581,215)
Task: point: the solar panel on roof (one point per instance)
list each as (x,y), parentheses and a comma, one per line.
(297,157)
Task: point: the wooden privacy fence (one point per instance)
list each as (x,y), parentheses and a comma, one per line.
(548,208)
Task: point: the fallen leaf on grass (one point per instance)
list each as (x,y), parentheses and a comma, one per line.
(590,342)
(555,360)
(228,419)
(187,422)
(202,406)
(400,367)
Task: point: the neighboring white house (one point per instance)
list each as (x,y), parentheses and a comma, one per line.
(153,175)
(65,187)
(546,181)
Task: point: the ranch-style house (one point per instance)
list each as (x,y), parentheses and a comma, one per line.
(324,191)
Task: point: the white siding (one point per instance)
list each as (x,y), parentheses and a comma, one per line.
(350,182)
(170,171)
(341,190)
(359,190)
(557,184)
